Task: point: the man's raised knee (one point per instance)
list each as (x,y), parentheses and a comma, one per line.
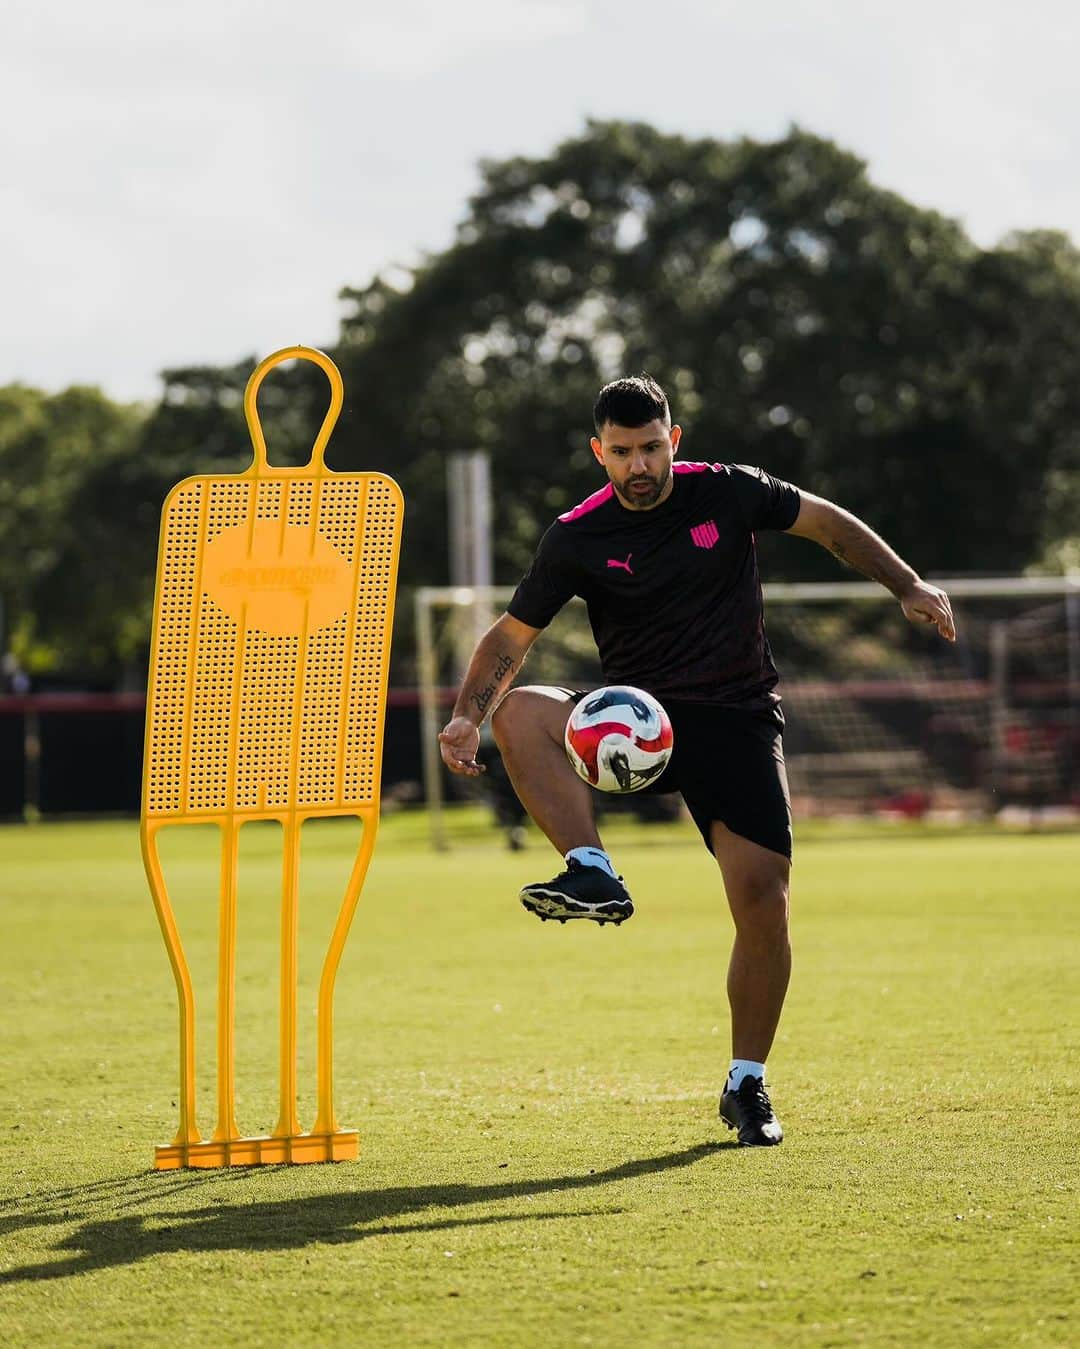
(508,715)
(531,710)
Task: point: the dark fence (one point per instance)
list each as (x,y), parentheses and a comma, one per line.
(81,753)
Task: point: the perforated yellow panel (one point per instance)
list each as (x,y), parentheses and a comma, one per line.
(271,645)
(266,700)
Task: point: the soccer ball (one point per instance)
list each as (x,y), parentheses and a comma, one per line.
(618,739)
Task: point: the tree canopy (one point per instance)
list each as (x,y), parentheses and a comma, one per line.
(800,317)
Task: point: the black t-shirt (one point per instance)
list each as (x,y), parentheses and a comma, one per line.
(673,593)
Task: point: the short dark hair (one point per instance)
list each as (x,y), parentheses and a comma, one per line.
(634,400)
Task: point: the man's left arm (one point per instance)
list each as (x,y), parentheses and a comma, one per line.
(856,545)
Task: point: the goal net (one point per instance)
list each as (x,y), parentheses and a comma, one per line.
(882,718)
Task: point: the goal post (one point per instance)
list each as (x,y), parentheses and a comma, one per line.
(883,717)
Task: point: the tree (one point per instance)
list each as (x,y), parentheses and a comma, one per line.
(82,481)
(801,317)
(64,575)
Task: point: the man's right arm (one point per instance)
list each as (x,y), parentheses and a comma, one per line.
(499,655)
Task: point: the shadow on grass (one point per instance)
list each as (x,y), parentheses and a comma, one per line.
(284,1223)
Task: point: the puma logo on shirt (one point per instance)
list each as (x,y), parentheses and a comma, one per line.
(686,620)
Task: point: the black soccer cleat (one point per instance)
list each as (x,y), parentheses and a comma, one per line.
(580,892)
(750,1111)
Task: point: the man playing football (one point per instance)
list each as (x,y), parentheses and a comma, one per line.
(664,558)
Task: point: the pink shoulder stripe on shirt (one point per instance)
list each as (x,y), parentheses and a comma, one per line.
(696,468)
(589,504)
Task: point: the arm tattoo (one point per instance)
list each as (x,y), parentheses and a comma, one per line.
(482,697)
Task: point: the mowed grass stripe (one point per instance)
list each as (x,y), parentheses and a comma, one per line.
(541,1160)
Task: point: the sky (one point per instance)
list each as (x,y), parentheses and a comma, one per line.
(194,183)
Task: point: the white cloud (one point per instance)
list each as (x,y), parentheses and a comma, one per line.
(195,183)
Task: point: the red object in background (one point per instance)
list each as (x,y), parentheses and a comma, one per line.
(911,805)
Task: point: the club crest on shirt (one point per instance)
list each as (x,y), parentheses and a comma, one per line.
(706,535)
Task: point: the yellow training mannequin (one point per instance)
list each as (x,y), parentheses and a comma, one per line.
(269,661)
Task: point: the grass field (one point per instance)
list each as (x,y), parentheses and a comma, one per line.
(541,1159)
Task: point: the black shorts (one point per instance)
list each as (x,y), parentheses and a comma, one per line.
(728,765)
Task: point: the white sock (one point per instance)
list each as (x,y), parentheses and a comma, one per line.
(592,857)
(741,1068)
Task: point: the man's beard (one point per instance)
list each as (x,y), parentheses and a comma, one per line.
(640,499)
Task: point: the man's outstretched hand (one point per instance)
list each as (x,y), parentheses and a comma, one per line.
(459,741)
(927,604)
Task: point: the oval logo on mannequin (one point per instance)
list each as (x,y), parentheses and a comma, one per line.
(281,579)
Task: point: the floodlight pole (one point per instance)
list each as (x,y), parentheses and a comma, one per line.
(429,719)
(468,490)
(468,495)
